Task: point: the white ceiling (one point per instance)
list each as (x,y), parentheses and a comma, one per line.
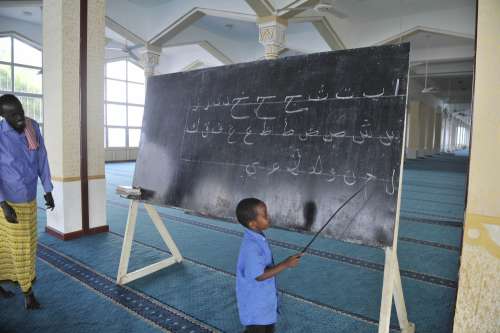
(137,15)
(422,39)
(234,29)
(31,14)
(150,3)
(383,9)
(439,31)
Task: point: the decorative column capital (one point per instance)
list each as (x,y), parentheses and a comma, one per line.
(272,35)
(150,57)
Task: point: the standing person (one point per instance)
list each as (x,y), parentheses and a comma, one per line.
(23,159)
(255,272)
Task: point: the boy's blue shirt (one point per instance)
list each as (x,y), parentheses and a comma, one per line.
(257,300)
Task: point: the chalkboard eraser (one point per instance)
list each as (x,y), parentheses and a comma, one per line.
(129,192)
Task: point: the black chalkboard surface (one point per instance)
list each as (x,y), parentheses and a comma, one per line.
(301,133)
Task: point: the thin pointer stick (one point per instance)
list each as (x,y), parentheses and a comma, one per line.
(333,215)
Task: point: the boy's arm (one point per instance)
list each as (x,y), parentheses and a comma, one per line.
(289,262)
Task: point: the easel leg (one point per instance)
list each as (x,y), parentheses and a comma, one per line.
(399,302)
(127,240)
(392,287)
(124,276)
(387,291)
(153,213)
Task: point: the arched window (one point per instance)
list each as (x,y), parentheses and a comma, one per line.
(21,74)
(124,104)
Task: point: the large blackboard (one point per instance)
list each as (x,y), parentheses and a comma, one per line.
(301,133)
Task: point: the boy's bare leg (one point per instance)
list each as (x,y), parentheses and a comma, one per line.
(30,302)
(5,293)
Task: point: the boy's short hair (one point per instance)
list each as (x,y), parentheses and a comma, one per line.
(245,210)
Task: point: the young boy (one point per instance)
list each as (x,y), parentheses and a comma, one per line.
(255,272)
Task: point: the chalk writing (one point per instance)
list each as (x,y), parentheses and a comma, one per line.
(248,122)
(275,168)
(264,130)
(297,157)
(231,131)
(289,100)
(317,168)
(251,169)
(374,95)
(248,133)
(261,100)
(236,102)
(389,187)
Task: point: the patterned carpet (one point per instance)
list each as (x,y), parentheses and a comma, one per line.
(336,288)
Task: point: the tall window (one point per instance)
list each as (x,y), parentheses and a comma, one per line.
(124,104)
(21,74)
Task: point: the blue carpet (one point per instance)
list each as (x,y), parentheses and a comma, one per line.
(68,306)
(336,288)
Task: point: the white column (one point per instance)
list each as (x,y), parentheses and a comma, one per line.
(429,142)
(444,123)
(150,58)
(96,24)
(426,130)
(61,55)
(452,125)
(422,127)
(437,132)
(455,132)
(61,83)
(466,136)
(272,35)
(463,134)
(460,134)
(464,130)
(443,130)
(413,129)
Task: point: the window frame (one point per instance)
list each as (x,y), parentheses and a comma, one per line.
(12,64)
(126,103)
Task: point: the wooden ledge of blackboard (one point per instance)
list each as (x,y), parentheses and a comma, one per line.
(129,192)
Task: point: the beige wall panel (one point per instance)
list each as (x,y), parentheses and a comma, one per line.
(95,87)
(478,300)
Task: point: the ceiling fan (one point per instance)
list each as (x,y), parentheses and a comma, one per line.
(322,7)
(428,90)
(111,44)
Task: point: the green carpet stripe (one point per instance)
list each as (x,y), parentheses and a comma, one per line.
(434,216)
(429,243)
(447,223)
(459,205)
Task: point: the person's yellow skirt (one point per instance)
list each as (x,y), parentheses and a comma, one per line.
(18,245)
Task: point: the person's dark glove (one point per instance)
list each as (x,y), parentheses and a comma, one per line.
(9,212)
(49,201)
